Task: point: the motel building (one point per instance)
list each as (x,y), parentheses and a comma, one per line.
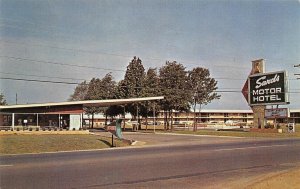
(71,115)
(204,118)
(57,116)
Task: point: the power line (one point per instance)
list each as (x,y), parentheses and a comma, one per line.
(115,54)
(90,67)
(28,22)
(17,74)
(41,76)
(297,66)
(36,80)
(81,50)
(71,49)
(36,30)
(81,79)
(58,63)
(119,55)
(75,83)
(243,79)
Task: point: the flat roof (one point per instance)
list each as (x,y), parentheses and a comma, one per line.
(100,103)
(224,111)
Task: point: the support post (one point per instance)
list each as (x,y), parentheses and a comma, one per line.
(13,121)
(259,116)
(154,119)
(59,121)
(124,123)
(81,120)
(258,66)
(37,119)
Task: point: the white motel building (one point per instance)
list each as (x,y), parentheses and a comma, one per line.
(205,116)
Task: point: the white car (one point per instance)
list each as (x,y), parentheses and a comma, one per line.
(231,122)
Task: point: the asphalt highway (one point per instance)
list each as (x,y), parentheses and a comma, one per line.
(181,165)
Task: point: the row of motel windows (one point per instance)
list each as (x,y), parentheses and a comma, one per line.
(63,120)
(229,115)
(54,120)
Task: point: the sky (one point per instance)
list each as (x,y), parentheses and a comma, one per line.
(43,40)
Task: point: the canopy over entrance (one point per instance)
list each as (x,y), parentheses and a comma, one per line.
(65,111)
(72,105)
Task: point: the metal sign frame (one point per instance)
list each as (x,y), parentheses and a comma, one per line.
(277,113)
(285,88)
(291,127)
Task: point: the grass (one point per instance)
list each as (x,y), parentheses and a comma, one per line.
(245,134)
(240,134)
(19,144)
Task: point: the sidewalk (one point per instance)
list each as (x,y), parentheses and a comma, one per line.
(288,179)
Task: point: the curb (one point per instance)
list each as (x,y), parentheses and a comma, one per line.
(179,134)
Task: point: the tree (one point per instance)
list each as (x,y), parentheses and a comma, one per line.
(2,99)
(100,89)
(134,78)
(174,86)
(151,83)
(121,92)
(96,89)
(106,87)
(203,88)
(151,88)
(92,95)
(133,84)
(80,92)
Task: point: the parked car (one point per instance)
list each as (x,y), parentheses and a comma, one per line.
(151,123)
(231,122)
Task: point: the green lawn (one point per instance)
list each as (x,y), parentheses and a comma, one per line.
(245,134)
(240,134)
(19,144)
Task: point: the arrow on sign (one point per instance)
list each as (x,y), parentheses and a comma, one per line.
(245,90)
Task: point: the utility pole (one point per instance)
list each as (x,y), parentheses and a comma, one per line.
(297,66)
(16,98)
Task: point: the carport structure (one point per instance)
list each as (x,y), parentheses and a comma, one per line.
(59,115)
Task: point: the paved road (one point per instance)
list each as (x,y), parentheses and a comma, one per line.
(192,165)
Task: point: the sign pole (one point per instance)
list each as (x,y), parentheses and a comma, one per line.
(265,89)
(258,66)
(154,120)
(112,140)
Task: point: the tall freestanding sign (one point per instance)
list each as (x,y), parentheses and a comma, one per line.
(263,89)
(267,89)
(258,67)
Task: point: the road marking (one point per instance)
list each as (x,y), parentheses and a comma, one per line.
(6,165)
(251,147)
(180,134)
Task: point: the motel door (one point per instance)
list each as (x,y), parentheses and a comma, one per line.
(75,121)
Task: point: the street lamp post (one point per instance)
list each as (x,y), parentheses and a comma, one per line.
(154,120)
(298,66)
(195,119)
